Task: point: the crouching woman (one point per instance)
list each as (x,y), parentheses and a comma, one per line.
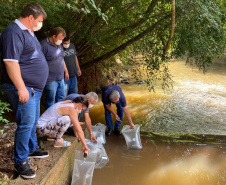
(57,118)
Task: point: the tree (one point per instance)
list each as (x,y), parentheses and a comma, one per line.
(102,30)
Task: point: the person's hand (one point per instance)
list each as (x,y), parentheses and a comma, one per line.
(93,138)
(132,126)
(79,72)
(23,95)
(85,149)
(117,117)
(66,76)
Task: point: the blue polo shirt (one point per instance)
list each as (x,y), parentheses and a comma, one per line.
(55,59)
(19,44)
(73,96)
(106,92)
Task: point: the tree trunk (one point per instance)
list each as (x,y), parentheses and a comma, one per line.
(172,28)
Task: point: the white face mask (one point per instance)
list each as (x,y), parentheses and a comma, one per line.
(59,42)
(78,111)
(66,45)
(90,106)
(38,27)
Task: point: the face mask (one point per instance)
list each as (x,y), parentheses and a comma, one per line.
(90,106)
(58,42)
(78,111)
(38,27)
(66,45)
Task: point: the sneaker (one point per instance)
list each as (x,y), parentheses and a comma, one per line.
(24,170)
(108,133)
(117,131)
(38,154)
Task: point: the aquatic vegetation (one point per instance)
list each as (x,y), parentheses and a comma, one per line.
(185,138)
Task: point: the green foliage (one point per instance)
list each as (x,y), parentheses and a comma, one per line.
(102,29)
(3,108)
(200,32)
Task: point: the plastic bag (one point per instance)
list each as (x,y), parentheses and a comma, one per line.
(132,137)
(98,149)
(99,132)
(83,169)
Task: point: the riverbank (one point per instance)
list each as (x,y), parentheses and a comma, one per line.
(55,169)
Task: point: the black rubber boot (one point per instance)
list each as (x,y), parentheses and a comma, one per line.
(109,131)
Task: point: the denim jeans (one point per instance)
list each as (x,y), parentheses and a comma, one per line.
(108,116)
(71,85)
(54,92)
(27,115)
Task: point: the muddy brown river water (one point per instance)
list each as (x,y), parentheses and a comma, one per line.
(197,105)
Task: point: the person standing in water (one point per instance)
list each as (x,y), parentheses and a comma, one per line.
(111,95)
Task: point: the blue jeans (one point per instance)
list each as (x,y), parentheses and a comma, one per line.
(27,115)
(54,92)
(71,85)
(108,116)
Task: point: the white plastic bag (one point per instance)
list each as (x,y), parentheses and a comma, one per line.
(132,137)
(83,169)
(99,132)
(101,155)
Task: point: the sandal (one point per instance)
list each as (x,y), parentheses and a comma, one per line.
(63,144)
(51,137)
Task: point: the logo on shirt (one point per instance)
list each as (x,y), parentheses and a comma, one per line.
(69,52)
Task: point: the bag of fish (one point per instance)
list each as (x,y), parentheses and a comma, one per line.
(132,137)
(83,169)
(99,132)
(98,149)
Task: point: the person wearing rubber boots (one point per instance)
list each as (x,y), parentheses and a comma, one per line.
(111,95)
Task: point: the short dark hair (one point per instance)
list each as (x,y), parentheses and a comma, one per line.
(67,38)
(56,31)
(34,9)
(81,100)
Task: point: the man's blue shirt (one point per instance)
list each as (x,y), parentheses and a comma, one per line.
(18,45)
(55,59)
(106,92)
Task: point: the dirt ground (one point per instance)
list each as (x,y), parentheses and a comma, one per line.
(41,166)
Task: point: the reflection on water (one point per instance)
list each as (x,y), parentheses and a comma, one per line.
(162,164)
(196,104)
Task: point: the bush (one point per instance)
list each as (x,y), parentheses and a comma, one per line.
(4,107)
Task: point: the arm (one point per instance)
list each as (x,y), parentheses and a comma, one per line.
(78,67)
(13,70)
(109,107)
(72,113)
(89,127)
(66,72)
(128,117)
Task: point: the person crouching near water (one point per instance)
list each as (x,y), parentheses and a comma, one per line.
(57,118)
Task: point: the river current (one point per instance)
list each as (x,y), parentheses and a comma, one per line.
(196,104)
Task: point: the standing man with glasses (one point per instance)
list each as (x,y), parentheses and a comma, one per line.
(111,95)
(24,75)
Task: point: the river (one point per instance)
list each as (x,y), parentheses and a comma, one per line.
(196,104)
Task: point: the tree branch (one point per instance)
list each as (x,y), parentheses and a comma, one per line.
(123,46)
